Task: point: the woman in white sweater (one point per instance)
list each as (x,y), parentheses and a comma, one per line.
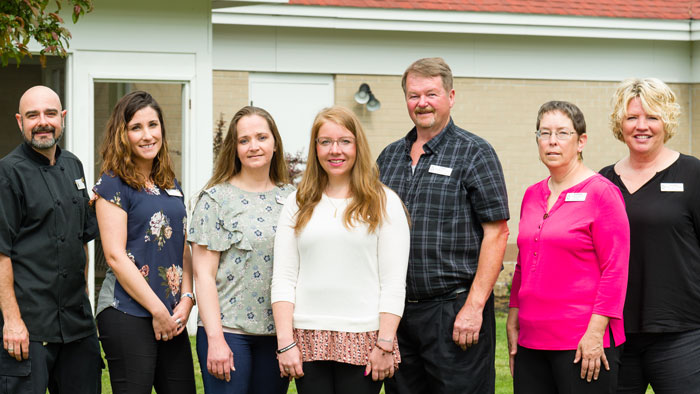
(341,254)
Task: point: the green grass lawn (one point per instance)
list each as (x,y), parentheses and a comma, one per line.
(504,383)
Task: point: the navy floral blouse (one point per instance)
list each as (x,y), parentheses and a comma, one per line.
(156,225)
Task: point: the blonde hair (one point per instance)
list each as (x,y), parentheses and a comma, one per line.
(368,197)
(228,164)
(117,156)
(656,99)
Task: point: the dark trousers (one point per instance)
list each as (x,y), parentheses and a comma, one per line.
(670,362)
(330,377)
(257,370)
(137,361)
(431,363)
(73,367)
(554,372)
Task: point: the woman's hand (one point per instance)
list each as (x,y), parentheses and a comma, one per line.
(591,353)
(512,331)
(590,350)
(220,359)
(380,364)
(181,313)
(290,363)
(164,326)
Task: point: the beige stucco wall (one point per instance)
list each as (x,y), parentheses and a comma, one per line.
(230,95)
(503,111)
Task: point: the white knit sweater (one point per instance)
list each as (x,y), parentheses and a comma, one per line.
(340,279)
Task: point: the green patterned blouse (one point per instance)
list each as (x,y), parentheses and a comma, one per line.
(241,225)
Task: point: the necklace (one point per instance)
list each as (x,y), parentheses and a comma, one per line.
(335,207)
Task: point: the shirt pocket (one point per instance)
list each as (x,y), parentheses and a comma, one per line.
(443,195)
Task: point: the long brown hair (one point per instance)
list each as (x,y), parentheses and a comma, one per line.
(368,196)
(117,156)
(228,164)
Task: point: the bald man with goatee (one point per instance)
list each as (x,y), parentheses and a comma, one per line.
(49,338)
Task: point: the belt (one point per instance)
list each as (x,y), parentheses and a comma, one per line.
(442,297)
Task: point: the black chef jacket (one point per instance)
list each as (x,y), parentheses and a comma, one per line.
(44,221)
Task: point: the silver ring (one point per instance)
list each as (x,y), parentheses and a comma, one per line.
(286,370)
(178,321)
(165,337)
(10,349)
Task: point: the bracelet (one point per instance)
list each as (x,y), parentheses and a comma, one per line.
(284,349)
(190,296)
(382,349)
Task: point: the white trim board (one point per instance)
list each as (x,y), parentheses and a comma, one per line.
(337,51)
(379,19)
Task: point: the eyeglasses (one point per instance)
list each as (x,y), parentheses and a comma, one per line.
(344,142)
(562,135)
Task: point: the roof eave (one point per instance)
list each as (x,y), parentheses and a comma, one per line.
(353,18)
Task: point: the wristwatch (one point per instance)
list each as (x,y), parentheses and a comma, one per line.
(191,296)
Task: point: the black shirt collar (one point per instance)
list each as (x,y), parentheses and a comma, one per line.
(38,157)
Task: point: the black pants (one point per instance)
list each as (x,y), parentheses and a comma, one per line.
(330,377)
(554,372)
(73,367)
(670,362)
(431,363)
(137,361)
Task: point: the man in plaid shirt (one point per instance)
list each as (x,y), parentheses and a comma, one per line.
(452,184)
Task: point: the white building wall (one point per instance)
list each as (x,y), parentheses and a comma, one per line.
(339,51)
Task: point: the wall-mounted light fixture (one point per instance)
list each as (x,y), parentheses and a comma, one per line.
(364,96)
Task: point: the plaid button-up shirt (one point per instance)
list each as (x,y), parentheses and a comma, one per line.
(457,185)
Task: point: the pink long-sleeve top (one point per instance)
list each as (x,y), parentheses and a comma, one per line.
(572,263)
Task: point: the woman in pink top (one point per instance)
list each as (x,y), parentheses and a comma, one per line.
(565,320)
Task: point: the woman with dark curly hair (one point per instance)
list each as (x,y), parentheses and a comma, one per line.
(146,297)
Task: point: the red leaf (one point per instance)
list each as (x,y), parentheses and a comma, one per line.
(56,17)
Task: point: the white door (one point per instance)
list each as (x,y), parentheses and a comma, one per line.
(293,100)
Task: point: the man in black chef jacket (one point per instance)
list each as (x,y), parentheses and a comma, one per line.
(48,332)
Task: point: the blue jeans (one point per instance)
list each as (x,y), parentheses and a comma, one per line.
(255,360)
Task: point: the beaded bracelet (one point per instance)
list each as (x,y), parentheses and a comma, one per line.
(382,349)
(284,349)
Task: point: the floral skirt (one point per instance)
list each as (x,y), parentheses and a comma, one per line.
(344,347)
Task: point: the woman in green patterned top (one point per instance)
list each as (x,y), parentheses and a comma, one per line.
(232,232)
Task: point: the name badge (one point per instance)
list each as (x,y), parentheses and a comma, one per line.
(279,199)
(576,196)
(671,187)
(440,170)
(173,192)
(80,183)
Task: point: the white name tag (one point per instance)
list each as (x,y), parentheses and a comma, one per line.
(671,187)
(279,199)
(576,196)
(440,170)
(173,192)
(80,183)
